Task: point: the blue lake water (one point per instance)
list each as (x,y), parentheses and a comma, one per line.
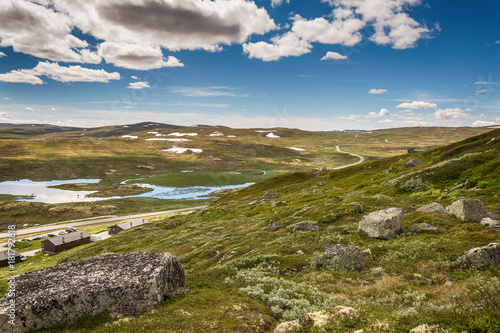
(41,192)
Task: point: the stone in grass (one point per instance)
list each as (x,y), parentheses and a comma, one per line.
(414,162)
(316,191)
(340,258)
(479,257)
(424,228)
(269,194)
(254,203)
(273,224)
(468,210)
(127,283)
(433,207)
(422,278)
(490,223)
(306,226)
(378,271)
(384,224)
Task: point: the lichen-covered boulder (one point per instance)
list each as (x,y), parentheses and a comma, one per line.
(433,207)
(468,210)
(339,257)
(384,224)
(124,283)
(488,255)
(306,226)
(414,162)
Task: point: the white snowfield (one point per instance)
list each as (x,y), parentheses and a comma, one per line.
(170,140)
(265,131)
(130,136)
(183,134)
(231,136)
(152,132)
(272,135)
(297,149)
(177,150)
(217,134)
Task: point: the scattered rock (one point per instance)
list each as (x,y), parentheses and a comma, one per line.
(345,311)
(316,191)
(490,223)
(384,224)
(433,207)
(299,252)
(321,183)
(254,203)
(414,162)
(479,257)
(306,226)
(494,214)
(128,283)
(448,283)
(468,210)
(236,220)
(339,257)
(316,319)
(269,194)
(367,254)
(273,224)
(288,326)
(424,328)
(323,169)
(459,186)
(424,228)
(423,278)
(378,271)
(443,197)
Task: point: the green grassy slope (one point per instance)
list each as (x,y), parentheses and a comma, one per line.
(247,277)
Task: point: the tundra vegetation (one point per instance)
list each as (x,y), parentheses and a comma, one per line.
(246,276)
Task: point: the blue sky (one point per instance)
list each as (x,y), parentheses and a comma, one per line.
(315,65)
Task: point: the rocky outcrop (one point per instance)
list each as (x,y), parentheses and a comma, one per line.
(269,194)
(490,223)
(424,228)
(306,226)
(468,210)
(433,207)
(414,162)
(339,258)
(124,283)
(273,224)
(384,224)
(478,257)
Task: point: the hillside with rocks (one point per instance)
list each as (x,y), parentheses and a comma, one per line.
(409,243)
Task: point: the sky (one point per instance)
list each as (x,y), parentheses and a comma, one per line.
(314,65)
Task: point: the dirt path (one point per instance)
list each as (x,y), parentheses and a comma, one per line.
(361,159)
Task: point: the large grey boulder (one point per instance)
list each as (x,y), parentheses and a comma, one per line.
(433,207)
(126,283)
(339,257)
(468,210)
(488,255)
(385,223)
(414,162)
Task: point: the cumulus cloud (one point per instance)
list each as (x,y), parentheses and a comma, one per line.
(138,85)
(484,82)
(172,24)
(481,123)
(333,55)
(276,3)
(377,91)
(386,121)
(58,73)
(382,113)
(281,46)
(2,54)
(452,113)
(351,117)
(417,105)
(136,56)
(206,91)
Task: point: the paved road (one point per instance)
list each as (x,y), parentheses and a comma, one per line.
(63,225)
(361,159)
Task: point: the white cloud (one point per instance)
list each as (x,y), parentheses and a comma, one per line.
(386,121)
(351,117)
(4,114)
(172,24)
(136,56)
(29,108)
(276,3)
(58,73)
(6,98)
(206,91)
(138,85)
(417,105)
(377,91)
(2,54)
(382,113)
(481,123)
(497,42)
(134,77)
(282,46)
(481,91)
(484,82)
(333,55)
(452,113)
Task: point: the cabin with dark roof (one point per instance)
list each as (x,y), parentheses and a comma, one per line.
(4,258)
(66,242)
(113,230)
